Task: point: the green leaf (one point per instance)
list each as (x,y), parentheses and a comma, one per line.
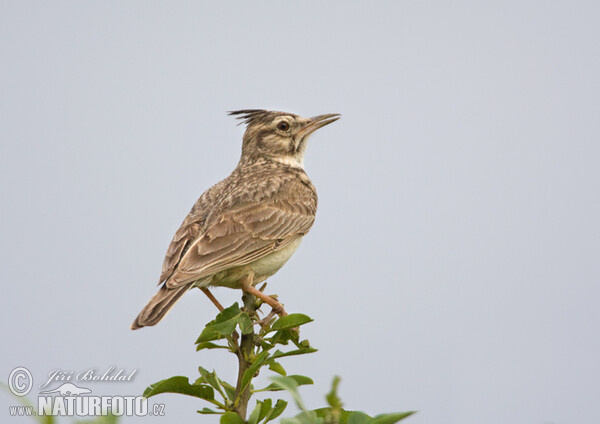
(290,321)
(211,378)
(342,416)
(330,415)
(301,380)
(249,373)
(264,345)
(253,418)
(276,367)
(305,417)
(332,397)
(231,418)
(209,345)
(357,417)
(284,336)
(304,343)
(246,324)
(265,408)
(391,418)
(280,354)
(227,313)
(280,406)
(229,389)
(208,411)
(223,325)
(217,331)
(290,385)
(293,420)
(182,386)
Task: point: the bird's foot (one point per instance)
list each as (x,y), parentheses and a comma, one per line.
(278,308)
(266,321)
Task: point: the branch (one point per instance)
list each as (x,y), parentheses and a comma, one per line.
(244,355)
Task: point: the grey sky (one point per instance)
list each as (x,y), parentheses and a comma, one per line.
(454,264)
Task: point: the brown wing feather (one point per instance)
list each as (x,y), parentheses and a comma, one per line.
(192,227)
(241,237)
(184,235)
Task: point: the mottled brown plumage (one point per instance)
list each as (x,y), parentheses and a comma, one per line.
(243,229)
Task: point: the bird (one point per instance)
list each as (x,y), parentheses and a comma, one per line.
(243,229)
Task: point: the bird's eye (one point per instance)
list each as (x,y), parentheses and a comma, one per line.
(283,126)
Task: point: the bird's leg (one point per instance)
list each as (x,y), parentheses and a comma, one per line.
(249,288)
(272,296)
(263,287)
(266,321)
(212,298)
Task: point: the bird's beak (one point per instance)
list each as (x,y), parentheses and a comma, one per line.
(317,122)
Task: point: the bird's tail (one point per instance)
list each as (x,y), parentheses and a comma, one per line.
(158,306)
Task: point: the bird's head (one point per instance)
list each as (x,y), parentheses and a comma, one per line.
(278,136)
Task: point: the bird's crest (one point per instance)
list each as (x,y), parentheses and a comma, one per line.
(253,116)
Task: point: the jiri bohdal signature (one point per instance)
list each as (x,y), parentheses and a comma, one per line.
(91,374)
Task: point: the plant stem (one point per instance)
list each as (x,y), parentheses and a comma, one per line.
(244,359)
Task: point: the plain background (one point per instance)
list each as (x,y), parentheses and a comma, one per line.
(454,265)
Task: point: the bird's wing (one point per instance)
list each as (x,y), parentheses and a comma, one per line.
(242,235)
(191,228)
(184,236)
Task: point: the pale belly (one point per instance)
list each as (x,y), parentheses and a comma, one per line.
(262,268)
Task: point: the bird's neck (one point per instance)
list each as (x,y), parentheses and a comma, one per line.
(295,162)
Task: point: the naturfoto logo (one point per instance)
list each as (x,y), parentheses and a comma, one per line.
(70,399)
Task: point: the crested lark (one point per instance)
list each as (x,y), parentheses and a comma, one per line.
(243,229)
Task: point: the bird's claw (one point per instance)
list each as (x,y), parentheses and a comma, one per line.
(268,320)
